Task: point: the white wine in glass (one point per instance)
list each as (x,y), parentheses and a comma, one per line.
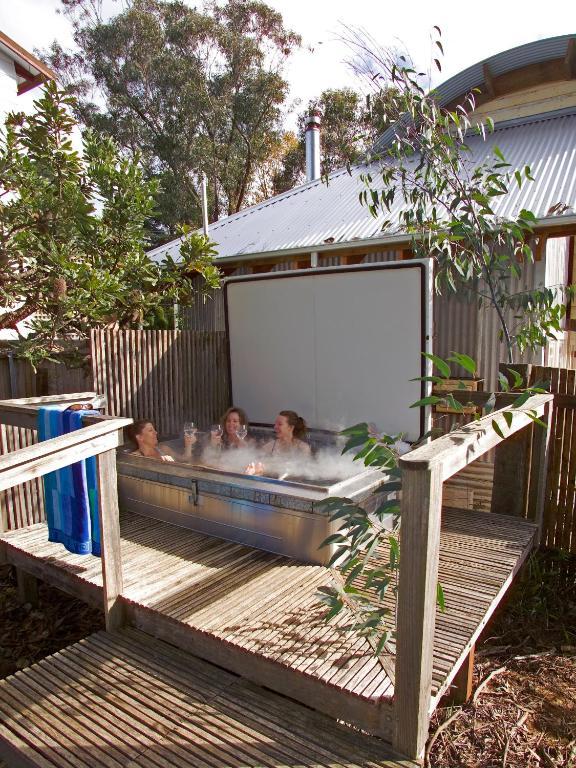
(189,429)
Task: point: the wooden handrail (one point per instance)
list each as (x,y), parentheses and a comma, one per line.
(23,412)
(424,471)
(72,397)
(98,439)
(39,459)
(457,449)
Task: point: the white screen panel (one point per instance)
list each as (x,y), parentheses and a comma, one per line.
(338,347)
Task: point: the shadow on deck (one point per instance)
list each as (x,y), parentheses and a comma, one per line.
(257,615)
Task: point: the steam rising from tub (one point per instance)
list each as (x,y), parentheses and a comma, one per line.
(326,464)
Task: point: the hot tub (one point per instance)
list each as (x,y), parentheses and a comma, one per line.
(281,516)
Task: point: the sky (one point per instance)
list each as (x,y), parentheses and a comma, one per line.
(470,32)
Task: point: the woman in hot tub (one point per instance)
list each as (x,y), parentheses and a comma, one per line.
(142,434)
(290,429)
(232,432)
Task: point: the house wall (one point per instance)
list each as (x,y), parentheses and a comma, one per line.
(8,88)
(538,99)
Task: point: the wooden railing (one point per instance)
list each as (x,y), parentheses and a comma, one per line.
(424,471)
(23,505)
(99,439)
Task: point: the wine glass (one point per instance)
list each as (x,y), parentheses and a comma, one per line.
(242,431)
(216,430)
(189,429)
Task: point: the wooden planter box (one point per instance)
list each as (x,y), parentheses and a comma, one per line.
(458,385)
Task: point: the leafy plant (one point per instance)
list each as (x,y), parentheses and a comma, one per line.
(446,199)
(72,242)
(366,559)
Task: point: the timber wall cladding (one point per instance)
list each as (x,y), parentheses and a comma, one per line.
(166,376)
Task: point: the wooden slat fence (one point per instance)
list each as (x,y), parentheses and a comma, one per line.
(559,525)
(23,505)
(165,376)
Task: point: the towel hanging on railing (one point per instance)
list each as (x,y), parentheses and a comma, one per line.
(70,493)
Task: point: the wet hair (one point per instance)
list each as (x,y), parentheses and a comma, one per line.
(133,430)
(295,421)
(243,420)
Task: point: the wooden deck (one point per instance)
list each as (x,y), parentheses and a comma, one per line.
(124,699)
(257,614)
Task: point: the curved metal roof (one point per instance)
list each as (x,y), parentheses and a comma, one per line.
(535,52)
(505,61)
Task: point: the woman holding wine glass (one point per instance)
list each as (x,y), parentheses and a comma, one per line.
(142,434)
(232,431)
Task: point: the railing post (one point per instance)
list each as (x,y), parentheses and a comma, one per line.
(420,513)
(109,517)
(539,471)
(511,472)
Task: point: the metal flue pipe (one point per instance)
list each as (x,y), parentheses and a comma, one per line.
(313,146)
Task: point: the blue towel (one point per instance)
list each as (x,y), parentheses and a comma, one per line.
(70,493)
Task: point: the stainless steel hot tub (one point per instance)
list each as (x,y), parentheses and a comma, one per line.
(282,516)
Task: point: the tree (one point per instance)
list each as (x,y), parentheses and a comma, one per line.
(446,201)
(192,92)
(350,125)
(72,242)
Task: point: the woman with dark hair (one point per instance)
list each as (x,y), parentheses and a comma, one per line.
(290,429)
(234,431)
(142,434)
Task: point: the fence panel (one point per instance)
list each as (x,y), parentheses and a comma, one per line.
(559,526)
(166,376)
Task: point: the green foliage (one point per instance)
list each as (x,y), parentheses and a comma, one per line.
(366,557)
(192,91)
(446,200)
(72,242)
(349,128)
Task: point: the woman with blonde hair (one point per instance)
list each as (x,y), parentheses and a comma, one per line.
(234,431)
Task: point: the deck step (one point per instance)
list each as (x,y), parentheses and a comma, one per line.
(126,699)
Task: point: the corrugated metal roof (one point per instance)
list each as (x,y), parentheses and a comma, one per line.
(316,213)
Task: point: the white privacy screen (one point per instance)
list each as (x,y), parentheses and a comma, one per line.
(338,347)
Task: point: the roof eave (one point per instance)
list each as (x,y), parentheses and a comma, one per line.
(548,224)
(29,68)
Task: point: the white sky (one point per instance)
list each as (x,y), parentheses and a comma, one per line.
(470,32)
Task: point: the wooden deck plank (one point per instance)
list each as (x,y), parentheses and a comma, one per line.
(181,712)
(265,605)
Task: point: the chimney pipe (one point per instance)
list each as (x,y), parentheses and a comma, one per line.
(313,146)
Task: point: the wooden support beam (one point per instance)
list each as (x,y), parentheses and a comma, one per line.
(27,587)
(489,81)
(539,472)
(462,685)
(420,508)
(570,59)
(27,85)
(109,517)
(511,473)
